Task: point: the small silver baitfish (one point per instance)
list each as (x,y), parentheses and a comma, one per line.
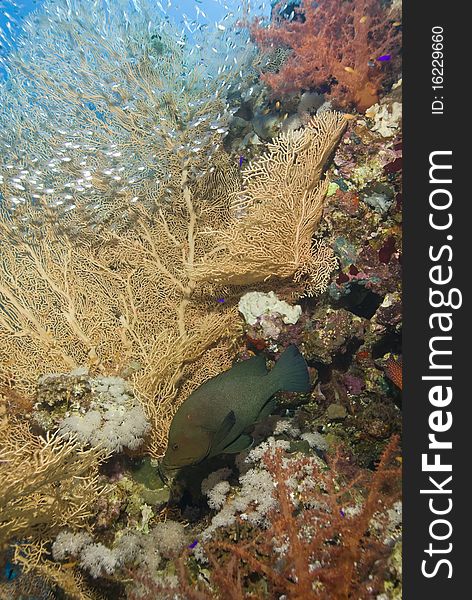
(215,417)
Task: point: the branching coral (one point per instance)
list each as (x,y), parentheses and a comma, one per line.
(113,303)
(47,483)
(319,531)
(335,46)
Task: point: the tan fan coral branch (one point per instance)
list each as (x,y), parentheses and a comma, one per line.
(281,207)
(71,581)
(47,483)
(114,303)
(32,558)
(58,307)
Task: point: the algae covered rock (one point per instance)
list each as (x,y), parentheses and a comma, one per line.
(332,330)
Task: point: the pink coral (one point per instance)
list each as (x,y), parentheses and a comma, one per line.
(336,47)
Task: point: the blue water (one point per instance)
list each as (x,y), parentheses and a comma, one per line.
(70,58)
(187,14)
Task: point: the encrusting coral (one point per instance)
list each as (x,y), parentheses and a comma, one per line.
(336,46)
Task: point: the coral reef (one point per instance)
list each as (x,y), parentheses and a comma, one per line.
(164,261)
(336,47)
(174,217)
(323,531)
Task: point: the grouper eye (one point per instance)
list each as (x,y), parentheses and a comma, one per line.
(175,446)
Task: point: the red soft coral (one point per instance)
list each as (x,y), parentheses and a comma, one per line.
(336,46)
(329,537)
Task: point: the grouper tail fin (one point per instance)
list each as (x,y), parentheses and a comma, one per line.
(290,373)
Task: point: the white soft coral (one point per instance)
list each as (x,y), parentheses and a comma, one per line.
(115,420)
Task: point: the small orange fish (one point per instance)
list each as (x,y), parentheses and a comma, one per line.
(363,19)
(363,355)
(394,371)
(349,69)
(277,105)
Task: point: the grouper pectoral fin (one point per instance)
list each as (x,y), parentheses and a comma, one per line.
(220,433)
(241,443)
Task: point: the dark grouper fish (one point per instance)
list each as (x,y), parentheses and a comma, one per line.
(215,417)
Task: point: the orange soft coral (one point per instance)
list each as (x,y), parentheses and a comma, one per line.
(335,47)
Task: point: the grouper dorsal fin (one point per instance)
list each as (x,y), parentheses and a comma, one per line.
(222,430)
(253,367)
